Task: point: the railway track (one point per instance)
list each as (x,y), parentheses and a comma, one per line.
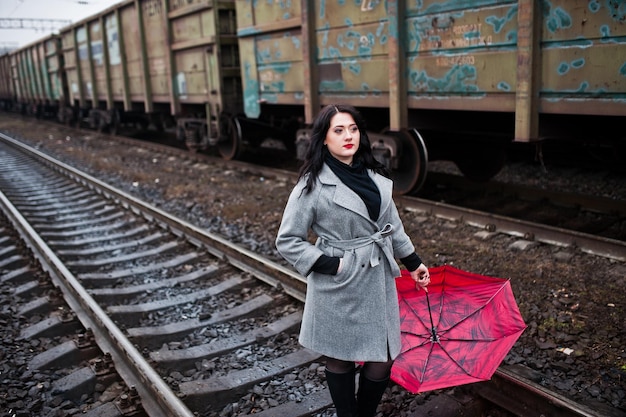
(594,224)
(121,264)
(171,306)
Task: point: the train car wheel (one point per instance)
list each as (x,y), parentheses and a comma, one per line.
(410,174)
(230,144)
(180,133)
(484,165)
(101,124)
(114,128)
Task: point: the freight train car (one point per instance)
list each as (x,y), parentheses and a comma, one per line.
(7,94)
(35,78)
(457,80)
(159,63)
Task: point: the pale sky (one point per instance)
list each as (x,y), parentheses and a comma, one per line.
(73,10)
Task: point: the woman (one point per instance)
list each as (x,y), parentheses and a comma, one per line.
(351,312)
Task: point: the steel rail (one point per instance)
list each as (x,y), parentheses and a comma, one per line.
(600,246)
(524,398)
(157,398)
(269,272)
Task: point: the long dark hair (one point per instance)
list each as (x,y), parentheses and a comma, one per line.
(314,158)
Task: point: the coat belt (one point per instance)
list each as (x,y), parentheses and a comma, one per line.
(375,240)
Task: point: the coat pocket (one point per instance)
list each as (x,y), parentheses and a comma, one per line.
(346,267)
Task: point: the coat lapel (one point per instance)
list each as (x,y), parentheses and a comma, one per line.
(385,188)
(345,197)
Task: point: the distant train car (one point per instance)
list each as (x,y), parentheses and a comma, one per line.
(7,92)
(153,62)
(36,78)
(458,80)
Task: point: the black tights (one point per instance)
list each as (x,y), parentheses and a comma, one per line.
(374,371)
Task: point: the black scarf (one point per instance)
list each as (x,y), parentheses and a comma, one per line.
(356,178)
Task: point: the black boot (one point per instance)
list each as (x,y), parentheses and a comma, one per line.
(341,387)
(369,395)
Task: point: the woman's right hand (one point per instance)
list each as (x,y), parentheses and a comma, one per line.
(340,265)
(421,276)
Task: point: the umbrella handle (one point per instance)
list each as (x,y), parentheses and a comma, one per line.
(434,337)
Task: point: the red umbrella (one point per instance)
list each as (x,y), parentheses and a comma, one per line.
(456,333)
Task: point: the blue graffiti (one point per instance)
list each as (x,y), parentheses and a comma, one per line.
(277,86)
(332,86)
(564,67)
(251,93)
(500,22)
(380,30)
(247,31)
(277,55)
(270,97)
(504,86)
(365,51)
(355,68)
(431,29)
(281,68)
(334,52)
(496,22)
(558,18)
(512,36)
(617,9)
(583,87)
(458,79)
(605,31)
(443,6)
(325,38)
(263,55)
(341,43)
(415,35)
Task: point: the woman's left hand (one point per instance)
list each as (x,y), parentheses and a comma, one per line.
(421,276)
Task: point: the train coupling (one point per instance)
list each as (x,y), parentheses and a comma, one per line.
(303,137)
(385,149)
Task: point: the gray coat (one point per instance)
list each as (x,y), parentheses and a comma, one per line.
(353,315)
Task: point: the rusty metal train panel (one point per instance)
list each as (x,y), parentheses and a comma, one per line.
(227,72)
(455,55)
(35,73)
(7,92)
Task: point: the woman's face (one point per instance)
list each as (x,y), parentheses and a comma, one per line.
(343,137)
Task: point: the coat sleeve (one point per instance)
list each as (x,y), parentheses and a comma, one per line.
(401,242)
(292,239)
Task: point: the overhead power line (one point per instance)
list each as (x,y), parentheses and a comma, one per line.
(37,24)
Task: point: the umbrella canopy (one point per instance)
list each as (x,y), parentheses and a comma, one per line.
(457,333)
